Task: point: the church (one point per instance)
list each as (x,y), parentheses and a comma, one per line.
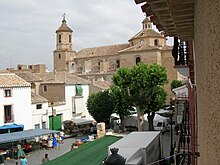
(98,64)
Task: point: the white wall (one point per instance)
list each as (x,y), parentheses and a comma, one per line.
(79,102)
(40,115)
(21,105)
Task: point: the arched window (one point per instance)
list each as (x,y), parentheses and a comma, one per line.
(118,64)
(59,56)
(156,42)
(138,59)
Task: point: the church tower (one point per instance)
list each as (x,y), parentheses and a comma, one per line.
(63,53)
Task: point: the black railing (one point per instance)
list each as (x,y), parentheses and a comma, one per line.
(180,52)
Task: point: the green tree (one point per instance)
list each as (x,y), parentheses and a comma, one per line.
(143,84)
(100,106)
(122,105)
(176,84)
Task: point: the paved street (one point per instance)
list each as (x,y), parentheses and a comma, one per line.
(35,157)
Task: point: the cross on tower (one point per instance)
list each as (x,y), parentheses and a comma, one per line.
(64,16)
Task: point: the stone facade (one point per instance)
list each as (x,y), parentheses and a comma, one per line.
(207,63)
(96,63)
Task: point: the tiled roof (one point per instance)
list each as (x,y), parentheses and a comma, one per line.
(28,76)
(140,47)
(35,98)
(61,77)
(101,51)
(147,33)
(102,84)
(12,80)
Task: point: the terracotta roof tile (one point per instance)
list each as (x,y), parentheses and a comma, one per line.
(35,98)
(28,76)
(61,77)
(102,84)
(12,80)
(140,47)
(101,51)
(147,33)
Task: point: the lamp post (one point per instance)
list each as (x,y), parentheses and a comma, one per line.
(52,104)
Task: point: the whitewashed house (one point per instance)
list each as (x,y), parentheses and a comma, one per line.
(15,101)
(67,96)
(39,106)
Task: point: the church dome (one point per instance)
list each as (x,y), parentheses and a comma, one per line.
(64,27)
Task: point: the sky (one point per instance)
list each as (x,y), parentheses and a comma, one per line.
(27,28)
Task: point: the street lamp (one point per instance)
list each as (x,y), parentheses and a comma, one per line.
(52,104)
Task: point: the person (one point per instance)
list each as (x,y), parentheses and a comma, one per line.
(49,143)
(45,159)
(23,160)
(20,151)
(54,142)
(27,147)
(62,136)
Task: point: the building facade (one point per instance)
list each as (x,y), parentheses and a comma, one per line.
(102,62)
(15,92)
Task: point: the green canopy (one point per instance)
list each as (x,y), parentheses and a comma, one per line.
(91,153)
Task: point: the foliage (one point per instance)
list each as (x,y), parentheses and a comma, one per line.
(176,84)
(121,101)
(100,106)
(143,84)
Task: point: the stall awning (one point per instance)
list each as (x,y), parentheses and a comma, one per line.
(11,126)
(22,135)
(81,121)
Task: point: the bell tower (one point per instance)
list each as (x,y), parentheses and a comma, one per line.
(63,53)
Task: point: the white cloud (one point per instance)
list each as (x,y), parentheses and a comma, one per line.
(27,29)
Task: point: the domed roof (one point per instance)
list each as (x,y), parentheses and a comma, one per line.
(64,27)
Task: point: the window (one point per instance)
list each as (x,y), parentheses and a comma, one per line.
(7,93)
(59,56)
(138,59)
(39,106)
(118,64)
(37,126)
(44,125)
(9,117)
(45,88)
(59,38)
(156,42)
(79,90)
(69,38)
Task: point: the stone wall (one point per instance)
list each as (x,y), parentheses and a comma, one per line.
(207,63)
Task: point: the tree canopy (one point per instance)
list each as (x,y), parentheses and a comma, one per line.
(143,84)
(176,84)
(100,106)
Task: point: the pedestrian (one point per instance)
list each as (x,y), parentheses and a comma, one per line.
(54,142)
(45,159)
(23,160)
(62,136)
(20,151)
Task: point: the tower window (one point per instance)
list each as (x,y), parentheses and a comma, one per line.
(59,38)
(138,59)
(59,56)
(156,42)
(69,38)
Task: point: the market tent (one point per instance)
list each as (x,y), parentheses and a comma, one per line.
(11,128)
(80,121)
(22,135)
